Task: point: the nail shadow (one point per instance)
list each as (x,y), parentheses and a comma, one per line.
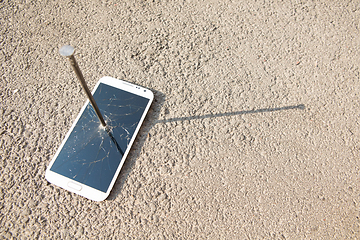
(301,106)
(150,121)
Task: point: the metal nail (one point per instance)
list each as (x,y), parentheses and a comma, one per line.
(68,51)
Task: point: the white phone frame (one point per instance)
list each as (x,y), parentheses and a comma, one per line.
(80,188)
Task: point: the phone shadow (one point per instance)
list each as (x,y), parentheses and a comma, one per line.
(151,121)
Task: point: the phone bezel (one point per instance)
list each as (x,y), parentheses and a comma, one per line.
(86,191)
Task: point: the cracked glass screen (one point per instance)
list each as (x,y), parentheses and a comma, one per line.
(92,154)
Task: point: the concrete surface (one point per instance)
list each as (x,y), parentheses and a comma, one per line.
(254,133)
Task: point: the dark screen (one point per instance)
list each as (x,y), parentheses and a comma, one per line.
(92,154)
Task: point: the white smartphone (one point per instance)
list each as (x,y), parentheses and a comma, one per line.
(90,157)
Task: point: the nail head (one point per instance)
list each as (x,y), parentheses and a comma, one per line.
(66,51)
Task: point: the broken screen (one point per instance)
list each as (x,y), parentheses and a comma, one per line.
(92,154)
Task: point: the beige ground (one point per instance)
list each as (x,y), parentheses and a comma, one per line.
(254,133)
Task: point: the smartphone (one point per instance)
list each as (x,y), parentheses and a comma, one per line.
(90,157)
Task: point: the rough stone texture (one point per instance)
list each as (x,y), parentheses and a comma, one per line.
(254,133)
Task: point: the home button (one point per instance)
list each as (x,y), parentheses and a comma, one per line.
(74,186)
